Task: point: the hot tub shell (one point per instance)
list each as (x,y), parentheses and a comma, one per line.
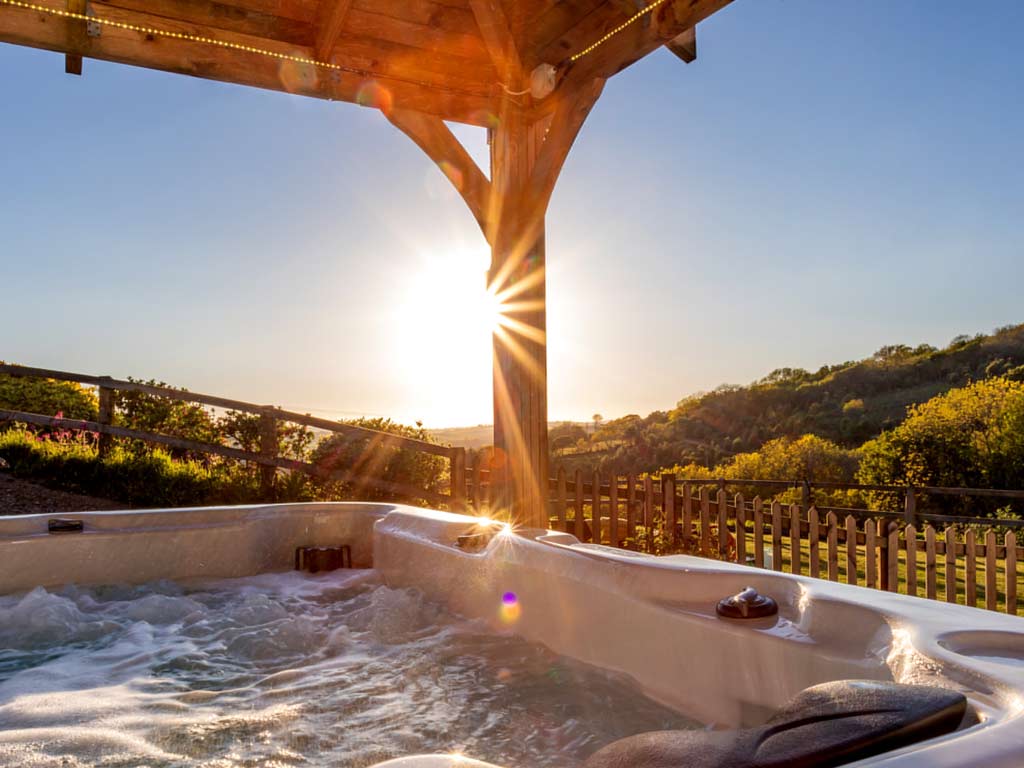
(651,618)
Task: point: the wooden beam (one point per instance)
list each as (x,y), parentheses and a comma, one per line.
(571,112)
(436,139)
(329,26)
(666,23)
(393,83)
(76,39)
(684,45)
(497,36)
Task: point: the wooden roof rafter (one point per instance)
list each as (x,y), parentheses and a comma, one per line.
(497,36)
(330,23)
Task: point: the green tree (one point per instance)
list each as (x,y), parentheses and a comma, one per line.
(47,397)
(358,456)
(968,437)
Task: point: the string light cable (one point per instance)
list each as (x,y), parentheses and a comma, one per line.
(545,71)
(612,33)
(143,29)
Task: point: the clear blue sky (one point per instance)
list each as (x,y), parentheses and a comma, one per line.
(828,177)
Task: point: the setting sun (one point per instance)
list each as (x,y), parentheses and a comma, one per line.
(443,318)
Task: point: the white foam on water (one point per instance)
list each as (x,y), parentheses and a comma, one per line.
(289,669)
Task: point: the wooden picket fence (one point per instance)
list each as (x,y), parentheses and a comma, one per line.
(966,561)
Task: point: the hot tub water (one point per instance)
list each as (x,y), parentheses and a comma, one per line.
(290,669)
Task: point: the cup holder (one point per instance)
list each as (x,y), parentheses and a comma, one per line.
(991,646)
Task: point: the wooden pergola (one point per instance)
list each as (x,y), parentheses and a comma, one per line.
(527,70)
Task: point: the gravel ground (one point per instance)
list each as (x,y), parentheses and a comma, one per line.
(19,497)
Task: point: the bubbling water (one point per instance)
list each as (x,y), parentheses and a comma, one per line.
(289,669)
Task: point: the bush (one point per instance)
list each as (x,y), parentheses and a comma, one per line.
(968,437)
(47,397)
(358,455)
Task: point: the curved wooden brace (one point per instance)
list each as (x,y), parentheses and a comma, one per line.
(494,29)
(436,139)
(571,112)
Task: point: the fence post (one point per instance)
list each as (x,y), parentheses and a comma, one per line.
(457,484)
(268,450)
(668,507)
(105,417)
(893,570)
(910,506)
(805,495)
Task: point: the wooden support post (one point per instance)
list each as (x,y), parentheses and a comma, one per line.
(613,511)
(476,480)
(268,450)
(105,417)
(562,502)
(527,154)
(77,38)
(457,484)
(910,506)
(668,508)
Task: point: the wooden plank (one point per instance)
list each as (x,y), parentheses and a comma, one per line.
(436,139)
(631,508)
(851,550)
(741,529)
(571,109)
(910,533)
(870,550)
(795,555)
(705,523)
(329,25)
(776,536)
(105,416)
(991,588)
(687,503)
(457,482)
(477,490)
(970,568)
(813,539)
(722,503)
(409,82)
(77,39)
(684,45)
(893,555)
(929,562)
(668,507)
(595,508)
(833,547)
(497,36)
(950,537)
(578,515)
(632,43)
(1010,541)
(649,511)
(758,532)
(613,511)
(268,450)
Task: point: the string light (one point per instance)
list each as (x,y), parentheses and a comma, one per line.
(152,31)
(601,41)
(188,37)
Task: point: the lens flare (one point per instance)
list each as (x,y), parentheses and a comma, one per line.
(510,609)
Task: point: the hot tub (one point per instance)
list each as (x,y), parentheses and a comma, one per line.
(176,630)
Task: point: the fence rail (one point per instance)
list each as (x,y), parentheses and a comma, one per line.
(964,560)
(267,457)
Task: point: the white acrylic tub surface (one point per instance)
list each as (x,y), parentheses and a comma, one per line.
(651,618)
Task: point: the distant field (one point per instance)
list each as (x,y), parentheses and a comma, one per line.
(479,436)
(466,437)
